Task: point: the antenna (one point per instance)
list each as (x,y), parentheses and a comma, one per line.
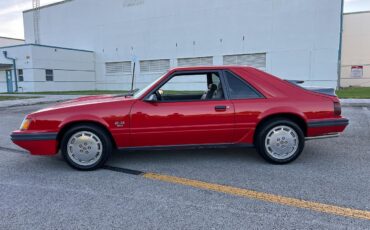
(36,20)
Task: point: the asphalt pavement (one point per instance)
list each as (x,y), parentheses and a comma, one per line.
(44,193)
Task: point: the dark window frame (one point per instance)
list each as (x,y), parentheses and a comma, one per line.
(49,76)
(258,93)
(20,75)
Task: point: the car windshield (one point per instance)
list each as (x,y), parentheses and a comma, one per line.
(140,92)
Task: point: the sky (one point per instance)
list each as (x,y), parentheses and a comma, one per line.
(11,21)
(11,17)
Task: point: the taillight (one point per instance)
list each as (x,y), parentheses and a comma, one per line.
(337,109)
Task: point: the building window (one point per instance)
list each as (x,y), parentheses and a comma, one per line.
(118,67)
(49,73)
(155,66)
(198,61)
(20,75)
(254,60)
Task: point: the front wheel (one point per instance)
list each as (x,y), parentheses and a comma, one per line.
(280,141)
(86,147)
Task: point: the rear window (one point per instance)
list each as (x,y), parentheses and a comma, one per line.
(239,89)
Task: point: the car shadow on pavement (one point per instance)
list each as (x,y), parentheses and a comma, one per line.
(195,158)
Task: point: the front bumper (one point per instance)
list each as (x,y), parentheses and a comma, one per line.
(317,129)
(36,143)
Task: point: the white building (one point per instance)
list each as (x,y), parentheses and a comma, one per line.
(5,41)
(296,39)
(47,68)
(356,50)
(4,66)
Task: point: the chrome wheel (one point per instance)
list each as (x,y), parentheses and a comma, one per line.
(84,148)
(282,142)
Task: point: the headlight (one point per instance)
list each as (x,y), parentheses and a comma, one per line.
(25,124)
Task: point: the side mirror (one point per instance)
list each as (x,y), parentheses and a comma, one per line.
(152,98)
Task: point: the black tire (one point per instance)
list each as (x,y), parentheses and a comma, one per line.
(106,143)
(264,131)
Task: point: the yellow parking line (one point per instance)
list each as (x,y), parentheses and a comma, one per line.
(315,206)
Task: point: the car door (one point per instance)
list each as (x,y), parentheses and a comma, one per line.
(248,104)
(185,114)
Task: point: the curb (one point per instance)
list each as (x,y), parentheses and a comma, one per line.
(43,99)
(34,103)
(355,104)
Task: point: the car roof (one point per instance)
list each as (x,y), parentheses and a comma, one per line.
(188,68)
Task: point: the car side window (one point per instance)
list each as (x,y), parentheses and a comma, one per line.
(191,87)
(239,89)
(185,85)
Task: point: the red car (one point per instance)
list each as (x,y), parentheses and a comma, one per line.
(186,108)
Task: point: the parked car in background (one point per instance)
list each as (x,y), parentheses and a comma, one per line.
(187,108)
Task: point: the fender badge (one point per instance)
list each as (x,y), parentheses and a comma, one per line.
(119,124)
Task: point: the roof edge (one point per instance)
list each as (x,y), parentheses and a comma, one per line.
(47,46)
(48,5)
(358,12)
(19,39)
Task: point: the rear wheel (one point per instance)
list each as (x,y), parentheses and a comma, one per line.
(280,141)
(86,147)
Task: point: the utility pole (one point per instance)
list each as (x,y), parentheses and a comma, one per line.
(36,20)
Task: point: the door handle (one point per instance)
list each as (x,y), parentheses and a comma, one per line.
(221,108)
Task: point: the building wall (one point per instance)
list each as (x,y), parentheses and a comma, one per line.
(4,41)
(300,38)
(20,53)
(356,49)
(3,87)
(72,69)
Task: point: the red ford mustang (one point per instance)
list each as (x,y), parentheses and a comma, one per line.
(187,107)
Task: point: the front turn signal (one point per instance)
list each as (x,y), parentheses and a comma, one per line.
(25,124)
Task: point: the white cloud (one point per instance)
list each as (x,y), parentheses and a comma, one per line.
(13,9)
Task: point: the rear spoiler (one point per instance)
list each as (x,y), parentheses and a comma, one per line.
(326,91)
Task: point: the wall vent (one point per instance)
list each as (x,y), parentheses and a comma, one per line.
(197,61)
(253,60)
(118,67)
(155,66)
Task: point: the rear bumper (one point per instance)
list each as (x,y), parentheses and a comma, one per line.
(36,143)
(328,123)
(326,128)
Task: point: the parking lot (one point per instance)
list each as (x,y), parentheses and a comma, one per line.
(326,188)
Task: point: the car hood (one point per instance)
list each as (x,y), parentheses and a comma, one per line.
(88,100)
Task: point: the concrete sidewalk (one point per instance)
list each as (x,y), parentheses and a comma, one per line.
(42,99)
(355,102)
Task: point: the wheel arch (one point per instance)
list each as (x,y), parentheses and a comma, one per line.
(294,117)
(72,123)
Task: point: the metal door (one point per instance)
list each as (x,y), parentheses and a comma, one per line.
(9,81)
